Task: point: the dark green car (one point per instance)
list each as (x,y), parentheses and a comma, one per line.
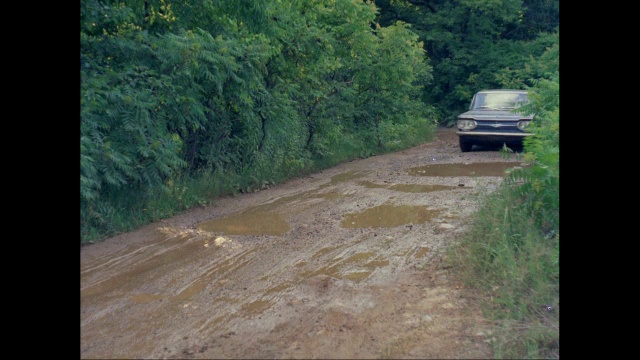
(493,119)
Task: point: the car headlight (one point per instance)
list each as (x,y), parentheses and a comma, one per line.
(467,124)
(523,124)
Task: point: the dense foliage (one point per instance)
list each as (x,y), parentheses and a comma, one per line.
(249,91)
(471,42)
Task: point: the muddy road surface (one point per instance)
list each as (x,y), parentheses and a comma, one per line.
(345,263)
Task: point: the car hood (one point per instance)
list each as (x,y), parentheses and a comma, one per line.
(494,115)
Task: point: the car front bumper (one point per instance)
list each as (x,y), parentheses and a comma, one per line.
(492,136)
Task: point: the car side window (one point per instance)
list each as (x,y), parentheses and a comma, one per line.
(478,101)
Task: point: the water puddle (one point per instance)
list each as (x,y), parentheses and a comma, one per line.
(357,276)
(145,298)
(255,307)
(376,263)
(417,188)
(421,252)
(248,223)
(410,188)
(356,267)
(347,176)
(324,251)
(389,216)
(371,266)
(224,299)
(372,185)
(278,288)
(327,196)
(458,169)
(358,258)
(331,271)
(212,323)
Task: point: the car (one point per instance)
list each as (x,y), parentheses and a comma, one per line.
(493,119)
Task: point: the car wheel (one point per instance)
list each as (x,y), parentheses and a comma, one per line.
(465,145)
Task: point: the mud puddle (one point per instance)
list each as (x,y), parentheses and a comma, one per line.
(464,169)
(248,223)
(389,216)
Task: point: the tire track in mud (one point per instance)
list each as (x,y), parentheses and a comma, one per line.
(338,264)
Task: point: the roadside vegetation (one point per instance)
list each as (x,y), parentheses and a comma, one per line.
(512,252)
(185,101)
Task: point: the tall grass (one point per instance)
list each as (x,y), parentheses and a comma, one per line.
(507,257)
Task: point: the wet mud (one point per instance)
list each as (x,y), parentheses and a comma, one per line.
(339,264)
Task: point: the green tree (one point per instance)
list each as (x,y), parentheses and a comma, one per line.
(171,90)
(470,41)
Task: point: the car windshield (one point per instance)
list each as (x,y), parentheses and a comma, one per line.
(498,100)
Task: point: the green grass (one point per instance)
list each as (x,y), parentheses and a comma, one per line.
(515,265)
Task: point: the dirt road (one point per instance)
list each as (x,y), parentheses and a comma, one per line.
(345,263)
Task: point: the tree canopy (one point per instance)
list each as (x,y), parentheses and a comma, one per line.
(263,88)
(471,42)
